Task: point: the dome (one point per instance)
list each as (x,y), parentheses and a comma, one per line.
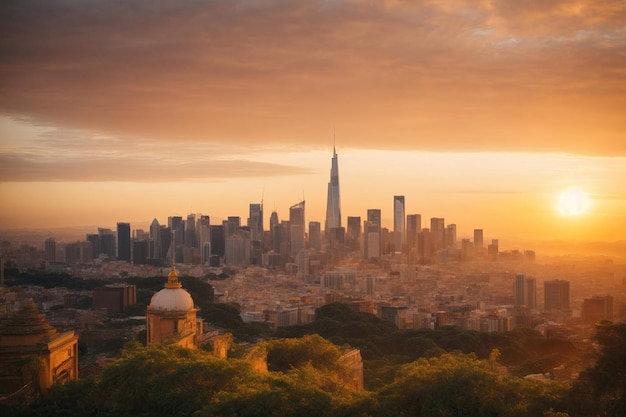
(171,299)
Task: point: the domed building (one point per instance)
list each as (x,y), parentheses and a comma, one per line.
(33,355)
(171,315)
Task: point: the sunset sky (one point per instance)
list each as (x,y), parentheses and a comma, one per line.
(482,112)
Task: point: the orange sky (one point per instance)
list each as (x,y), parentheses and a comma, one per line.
(478,111)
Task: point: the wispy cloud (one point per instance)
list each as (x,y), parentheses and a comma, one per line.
(67,155)
(436,75)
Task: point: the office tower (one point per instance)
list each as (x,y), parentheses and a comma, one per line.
(231,225)
(315,236)
(494,248)
(398,222)
(556,295)
(191,236)
(450,236)
(333,204)
(255,221)
(597,308)
(238,249)
(140,252)
(203,233)
(155,237)
(525,291)
(218,241)
(94,239)
(437,231)
(50,249)
(275,232)
(372,238)
(107,242)
(177,226)
(123,242)
(413,227)
(303,262)
(296,227)
(353,235)
(425,245)
(166,242)
(478,238)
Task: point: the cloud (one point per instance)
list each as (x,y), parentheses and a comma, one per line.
(435,75)
(66,155)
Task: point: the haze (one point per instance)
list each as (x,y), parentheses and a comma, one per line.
(481,112)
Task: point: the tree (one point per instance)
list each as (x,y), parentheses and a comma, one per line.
(601,390)
(462,385)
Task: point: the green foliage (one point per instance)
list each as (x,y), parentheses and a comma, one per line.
(462,385)
(601,390)
(286,354)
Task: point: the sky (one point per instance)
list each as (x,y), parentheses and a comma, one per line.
(481,112)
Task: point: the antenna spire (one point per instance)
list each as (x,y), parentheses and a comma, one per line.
(334,141)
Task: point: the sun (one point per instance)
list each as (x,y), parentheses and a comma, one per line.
(573,203)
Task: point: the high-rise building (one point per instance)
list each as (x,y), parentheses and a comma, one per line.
(315,236)
(372,234)
(218,241)
(333,203)
(525,291)
(255,221)
(123,242)
(177,226)
(140,251)
(296,227)
(597,308)
(478,238)
(166,242)
(203,232)
(353,235)
(50,248)
(231,226)
(437,231)
(556,295)
(413,227)
(155,237)
(191,235)
(399,228)
(107,242)
(450,236)
(275,231)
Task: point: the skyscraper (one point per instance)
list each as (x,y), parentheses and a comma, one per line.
(398,222)
(315,236)
(255,221)
(437,231)
(413,227)
(50,248)
(296,227)
(372,234)
(155,237)
(556,295)
(333,204)
(525,291)
(123,242)
(353,235)
(478,238)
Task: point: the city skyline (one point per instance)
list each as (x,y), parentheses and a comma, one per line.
(479,113)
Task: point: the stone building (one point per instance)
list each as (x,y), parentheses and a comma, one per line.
(171,315)
(33,356)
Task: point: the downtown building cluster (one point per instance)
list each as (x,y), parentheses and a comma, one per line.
(289,243)
(406,274)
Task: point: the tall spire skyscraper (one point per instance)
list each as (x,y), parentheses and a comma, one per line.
(333,204)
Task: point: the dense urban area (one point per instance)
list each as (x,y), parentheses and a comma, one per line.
(356,320)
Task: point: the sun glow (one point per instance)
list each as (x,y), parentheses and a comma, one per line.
(573,203)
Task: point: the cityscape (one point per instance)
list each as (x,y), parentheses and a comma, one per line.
(329,208)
